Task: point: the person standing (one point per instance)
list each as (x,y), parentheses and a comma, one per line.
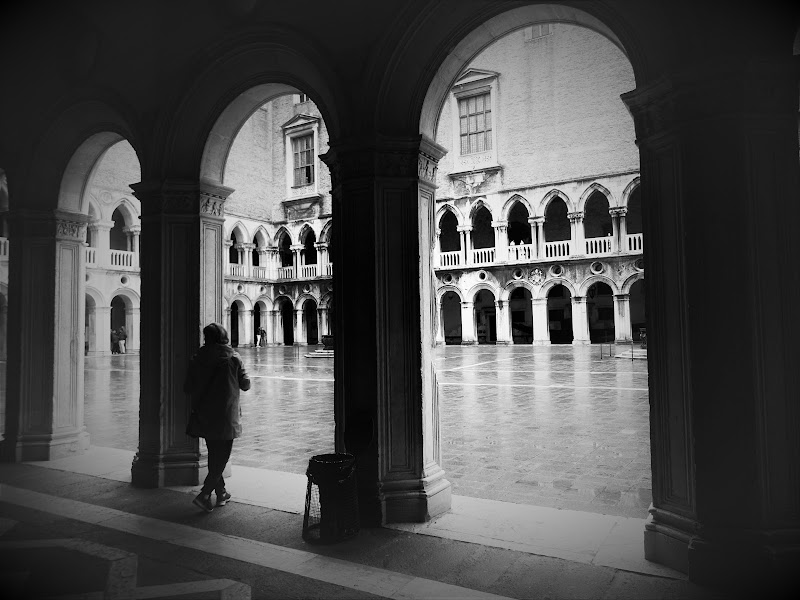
(123,336)
(114,342)
(214,378)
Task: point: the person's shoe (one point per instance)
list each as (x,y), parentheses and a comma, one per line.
(222,499)
(203,501)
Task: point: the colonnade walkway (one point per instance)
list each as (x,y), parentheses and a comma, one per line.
(495,413)
(553,426)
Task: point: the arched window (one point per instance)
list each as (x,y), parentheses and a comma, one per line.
(596,219)
(233,252)
(482,231)
(117,238)
(556,223)
(519,230)
(255,251)
(633,220)
(449,239)
(284,250)
(309,248)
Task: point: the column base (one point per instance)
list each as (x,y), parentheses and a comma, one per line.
(469,342)
(581,342)
(416,500)
(50,446)
(626,340)
(503,343)
(541,342)
(160,470)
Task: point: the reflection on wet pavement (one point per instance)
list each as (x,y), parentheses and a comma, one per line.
(551,426)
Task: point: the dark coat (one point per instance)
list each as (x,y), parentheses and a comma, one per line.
(214,378)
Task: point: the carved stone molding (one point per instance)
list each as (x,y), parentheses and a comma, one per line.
(575,216)
(170,197)
(70,230)
(618,211)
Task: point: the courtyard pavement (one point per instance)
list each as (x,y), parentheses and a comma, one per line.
(549,426)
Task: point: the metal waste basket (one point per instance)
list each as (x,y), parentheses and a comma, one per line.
(331,498)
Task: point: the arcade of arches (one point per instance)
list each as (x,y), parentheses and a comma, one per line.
(715,119)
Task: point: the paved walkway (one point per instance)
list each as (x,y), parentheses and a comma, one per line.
(549,426)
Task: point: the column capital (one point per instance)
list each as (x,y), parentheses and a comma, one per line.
(579,299)
(395,157)
(618,211)
(499,224)
(247,245)
(62,225)
(134,229)
(575,216)
(173,196)
(464,228)
(622,297)
(536,220)
(101,225)
(297,247)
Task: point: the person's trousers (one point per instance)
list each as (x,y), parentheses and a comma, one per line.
(219,451)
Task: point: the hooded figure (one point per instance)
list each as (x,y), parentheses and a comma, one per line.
(214,378)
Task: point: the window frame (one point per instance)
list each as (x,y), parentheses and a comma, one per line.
(473,83)
(301,126)
(485,132)
(306,157)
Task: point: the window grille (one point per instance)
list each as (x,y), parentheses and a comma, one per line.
(303,149)
(475,117)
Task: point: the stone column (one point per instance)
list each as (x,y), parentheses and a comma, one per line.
(622,318)
(618,225)
(437,249)
(299,322)
(386,398)
(277,327)
(226,257)
(580,321)
(102,241)
(246,330)
(182,284)
(297,258)
(500,241)
(227,322)
(468,335)
(440,341)
(103,330)
(466,242)
(323,322)
(724,430)
(503,323)
(269,326)
(538,235)
(46,314)
(578,238)
(541,322)
(90,329)
(247,251)
(134,332)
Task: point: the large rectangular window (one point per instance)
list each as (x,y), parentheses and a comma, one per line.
(303,150)
(475,117)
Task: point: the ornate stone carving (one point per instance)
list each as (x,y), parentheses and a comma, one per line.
(211,206)
(575,216)
(426,168)
(537,276)
(618,211)
(70,230)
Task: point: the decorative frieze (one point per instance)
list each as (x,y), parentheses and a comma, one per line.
(70,230)
(618,211)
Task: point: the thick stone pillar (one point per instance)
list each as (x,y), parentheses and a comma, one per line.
(580,321)
(182,290)
(246,330)
(102,242)
(440,341)
(622,318)
(46,315)
(724,400)
(299,323)
(503,323)
(386,400)
(468,335)
(269,328)
(134,331)
(103,330)
(541,324)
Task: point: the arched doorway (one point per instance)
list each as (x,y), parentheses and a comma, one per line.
(309,252)
(521,314)
(119,304)
(235,315)
(451,318)
(600,312)
(310,325)
(559,315)
(482,237)
(597,226)
(257,324)
(638,308)
(485,317)
(285,322)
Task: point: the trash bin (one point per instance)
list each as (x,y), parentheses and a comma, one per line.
(331,498)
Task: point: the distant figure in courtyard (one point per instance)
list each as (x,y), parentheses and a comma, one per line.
(123,335)
(114,342)
(258,338)
(263,336)
(214,378)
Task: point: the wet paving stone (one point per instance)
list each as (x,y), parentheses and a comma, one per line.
(551,426)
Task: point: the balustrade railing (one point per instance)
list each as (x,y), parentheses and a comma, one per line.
(308,271)
(3,248)
(483,255)
(521,253)
(634,242)
(328,270)
(236,270)
(91,256)
(450,259)
(285,272)
(123,258)
(598,245)
(260,272)
(557,249)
